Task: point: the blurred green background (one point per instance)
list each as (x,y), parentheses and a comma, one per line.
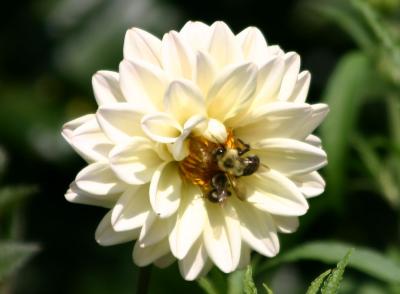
(50,49)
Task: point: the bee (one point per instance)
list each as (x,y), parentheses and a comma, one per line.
(232,166)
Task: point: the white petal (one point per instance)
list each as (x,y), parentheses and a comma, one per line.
(300,91)
(143,256)
(195,33)
(106,87)
(143,84)
(232,91)
(76,195)
(286,224)
(310,185)
(192,265)
(177,56)
(272,192)
(257,229)
(215,131)
(165,189)
(319,112)
(189,223)
(106,236)
(97,178)
(195,124)
(136,161)
(120,121)
(161,127)
(292,67)
(313,140)
(223,47)
(140,45)
(222,236)
(154,230)
(269,80)
(290,157)
(132,208)
(245,256)
(204,72)
(165,261)
(279,119)
(253,45)
(87,139)
(183,99)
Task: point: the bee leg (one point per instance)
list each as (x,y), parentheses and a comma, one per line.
(244,150)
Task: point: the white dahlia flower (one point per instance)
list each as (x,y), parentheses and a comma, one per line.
(201,148)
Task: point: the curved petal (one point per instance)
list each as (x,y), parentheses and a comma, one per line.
(223,47)
(313,140)
(154,230)
(76,195)
(193,263)
(135,162)
(286,224)
(106,236)
(186,231)
(165,189)
(120,121)
(195,33)
(165,261)
(222,236)
(143,84)
(310,185)
(98,179)
(292,67)
(204,72)
(132,208)
(300,90)
(231,91)
(177,56)
(143,256)
(87,139)
(183,99)
(179,149)
(290,157)
(106,87)
(269,80)
(272,192)
(257,229)
(245,256)
(140,45)
(279,119)
(319,112)
(161,127)
(216,131)
(253,45)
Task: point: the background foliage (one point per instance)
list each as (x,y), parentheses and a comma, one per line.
(50,49)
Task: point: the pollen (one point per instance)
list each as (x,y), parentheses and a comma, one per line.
(200,166)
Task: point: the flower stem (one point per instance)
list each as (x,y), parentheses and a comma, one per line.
(143,282)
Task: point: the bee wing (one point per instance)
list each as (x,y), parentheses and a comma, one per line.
(238,188)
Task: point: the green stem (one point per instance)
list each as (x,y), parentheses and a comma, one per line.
(143,282)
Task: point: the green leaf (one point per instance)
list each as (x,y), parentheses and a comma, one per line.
(332,283)
(380,172)
(363,259)
(316,284)
(267,289)
(344,95)
(207,286)
(248,283)
(13,256)
(10,196)
(2,160)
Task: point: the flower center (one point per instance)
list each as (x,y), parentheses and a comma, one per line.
(216,168)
